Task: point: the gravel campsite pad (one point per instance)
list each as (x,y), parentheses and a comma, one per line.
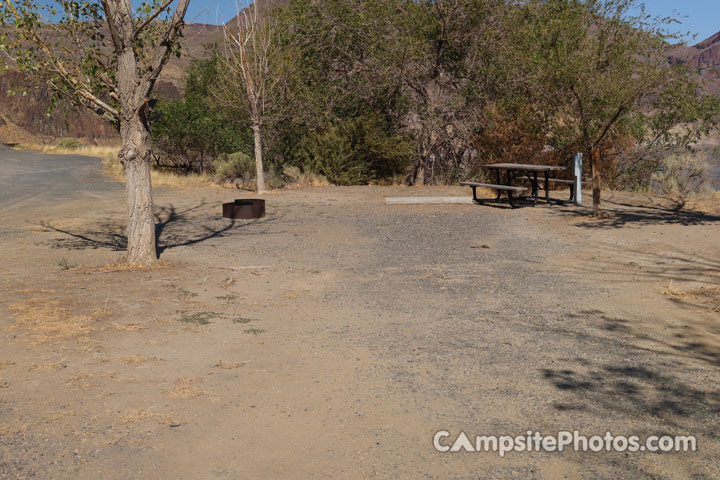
(334,337)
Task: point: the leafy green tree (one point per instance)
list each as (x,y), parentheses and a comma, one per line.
(356,151)
(192,132)
(600,76)
(104,55)
(429,68)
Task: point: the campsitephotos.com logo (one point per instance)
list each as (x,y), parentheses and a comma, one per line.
(531,441)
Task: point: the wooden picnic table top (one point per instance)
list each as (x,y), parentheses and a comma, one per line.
(523,166)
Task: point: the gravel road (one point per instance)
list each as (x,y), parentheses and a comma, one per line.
(34,179)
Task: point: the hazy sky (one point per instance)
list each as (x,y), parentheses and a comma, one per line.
(703,16)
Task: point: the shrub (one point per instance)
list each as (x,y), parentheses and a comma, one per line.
(683,175)
(230,167)
(331,154)
(313,180)
(70,144)
(292,173)
(356,151)
(275,181)
(112,165)
(190,133)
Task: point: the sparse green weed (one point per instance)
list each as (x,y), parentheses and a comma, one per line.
(65,265)
(198,318)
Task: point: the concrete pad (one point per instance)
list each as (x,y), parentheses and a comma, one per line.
(426,200)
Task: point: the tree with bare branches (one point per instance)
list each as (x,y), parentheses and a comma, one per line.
(104,55)
(249,84)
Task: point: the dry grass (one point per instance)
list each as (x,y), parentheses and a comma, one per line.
(119,267)
(102,152)
(6,363)
(42,321)
(309,180)
(228,365)
(45,366)
(29,291)
(160,178)
(86,381)
(313,180)
(671,291)
(186,388)
(708,204)
(189,181)
(59,416)
(709,297)
(128,327)
(140,415)
(137,360)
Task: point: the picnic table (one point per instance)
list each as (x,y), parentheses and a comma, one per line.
(513,172)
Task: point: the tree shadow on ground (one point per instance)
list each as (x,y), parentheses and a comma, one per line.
(173,228)
(654,378)
(622,213)
(689,340)
(637,390)
(676,263)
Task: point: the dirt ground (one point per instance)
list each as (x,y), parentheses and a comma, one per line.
(334,337)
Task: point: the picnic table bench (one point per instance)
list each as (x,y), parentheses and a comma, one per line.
(499,188)
(512,172)
(562,181)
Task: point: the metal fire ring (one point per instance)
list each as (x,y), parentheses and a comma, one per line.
(244,208)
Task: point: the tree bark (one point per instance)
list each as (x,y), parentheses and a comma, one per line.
(135,155)
(260,171)
(596,183)
(419,179)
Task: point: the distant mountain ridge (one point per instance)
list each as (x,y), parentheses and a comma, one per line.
(24,115)
(24,119)
(704,58)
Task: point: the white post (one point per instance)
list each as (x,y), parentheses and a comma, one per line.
(577,162)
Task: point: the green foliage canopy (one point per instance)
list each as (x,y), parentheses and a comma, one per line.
(190,133)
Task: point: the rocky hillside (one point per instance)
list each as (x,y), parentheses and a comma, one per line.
(705,57)
(24,105)
(25,119)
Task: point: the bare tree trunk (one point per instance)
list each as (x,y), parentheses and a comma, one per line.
(596,183)
(135,155)
(419,179)
(260,171)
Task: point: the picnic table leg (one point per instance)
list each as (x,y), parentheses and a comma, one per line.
(475,198)
(497,182)
(536,187)
(547,187)
(508,182)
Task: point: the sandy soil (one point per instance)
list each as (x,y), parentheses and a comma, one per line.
(334,337)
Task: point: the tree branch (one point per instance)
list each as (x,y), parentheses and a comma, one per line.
(160,55)
(80,90)
(609,125)
(111,18)
(152,17)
